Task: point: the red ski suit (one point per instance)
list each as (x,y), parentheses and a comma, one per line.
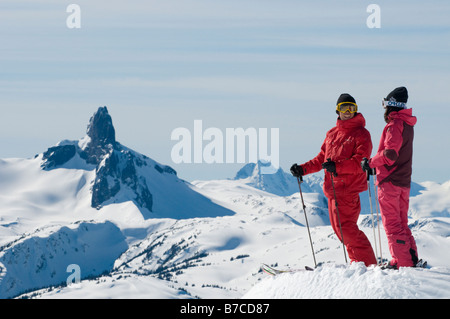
(393,163)
(346,144)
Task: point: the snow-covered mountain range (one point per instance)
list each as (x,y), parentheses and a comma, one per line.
(136,230)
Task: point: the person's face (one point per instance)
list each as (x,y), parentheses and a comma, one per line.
(346,115)
(346,110)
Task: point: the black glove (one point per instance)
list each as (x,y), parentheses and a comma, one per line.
(330,166)
(297,170)
(365,166)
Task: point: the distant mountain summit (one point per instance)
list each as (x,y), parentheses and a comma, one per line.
(99,141)
(102,136)
(123,174)
(280,183)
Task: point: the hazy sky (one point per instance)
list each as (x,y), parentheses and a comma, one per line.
(160,65)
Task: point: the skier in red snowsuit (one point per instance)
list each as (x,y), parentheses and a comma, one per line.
(345,145)
(393,164)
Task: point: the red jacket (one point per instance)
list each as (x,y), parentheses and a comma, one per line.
(393,160)
(346,144)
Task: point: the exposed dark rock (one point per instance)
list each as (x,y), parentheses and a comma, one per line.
(106,185)
(117,171)
(102,136)
(165,169)
(57,155)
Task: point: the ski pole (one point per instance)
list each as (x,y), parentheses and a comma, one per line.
(300,180)
(337,212)
(371,212)
(378,218)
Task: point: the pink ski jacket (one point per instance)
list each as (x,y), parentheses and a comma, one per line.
(393,160)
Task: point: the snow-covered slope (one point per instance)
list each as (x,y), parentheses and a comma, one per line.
(220,257)
(356,282)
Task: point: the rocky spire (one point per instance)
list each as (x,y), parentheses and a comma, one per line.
(100,128)
(102,136)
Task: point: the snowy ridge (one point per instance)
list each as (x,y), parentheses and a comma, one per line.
(41,259)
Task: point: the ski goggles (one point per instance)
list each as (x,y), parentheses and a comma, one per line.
(393,104)
(347,106)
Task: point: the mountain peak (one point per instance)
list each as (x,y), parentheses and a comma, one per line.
(278,183)
(116,166)
(246,171)
(102,136)
(100,128)
(257,169)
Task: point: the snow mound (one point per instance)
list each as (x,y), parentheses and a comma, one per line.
(355,281)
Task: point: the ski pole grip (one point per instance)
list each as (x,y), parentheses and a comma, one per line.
(367,172)
(335,174)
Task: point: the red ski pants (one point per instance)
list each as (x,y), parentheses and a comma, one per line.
(394,204)
(356,242)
